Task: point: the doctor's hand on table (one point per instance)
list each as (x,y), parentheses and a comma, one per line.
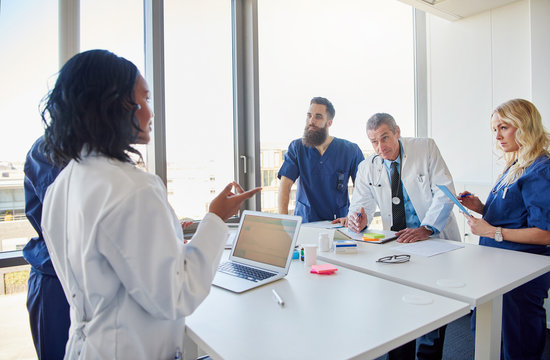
(342,221)
(227,203)
(357,221)
(409,235)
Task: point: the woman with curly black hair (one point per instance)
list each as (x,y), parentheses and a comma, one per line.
(115,242)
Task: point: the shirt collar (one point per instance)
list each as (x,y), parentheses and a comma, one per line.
(398,160)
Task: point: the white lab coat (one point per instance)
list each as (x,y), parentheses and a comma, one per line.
(117,247)
(422,169)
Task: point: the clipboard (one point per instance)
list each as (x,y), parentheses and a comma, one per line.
(451,196)
(345,234)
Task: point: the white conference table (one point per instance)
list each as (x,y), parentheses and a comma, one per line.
(346,315)
(475,274)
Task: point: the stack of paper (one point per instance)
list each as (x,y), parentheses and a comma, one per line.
(372,236)
(325,269)
(345,246)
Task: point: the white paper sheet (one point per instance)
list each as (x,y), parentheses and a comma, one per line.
(427,247)
(323,225)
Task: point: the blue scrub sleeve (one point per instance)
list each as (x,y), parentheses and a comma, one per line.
(536,196)
(290,167)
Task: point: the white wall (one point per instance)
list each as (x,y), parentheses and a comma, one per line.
(475,64)
(540,57)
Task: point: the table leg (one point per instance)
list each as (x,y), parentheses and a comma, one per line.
(190,349)
(488,329)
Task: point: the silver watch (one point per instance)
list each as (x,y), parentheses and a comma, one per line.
(498,234)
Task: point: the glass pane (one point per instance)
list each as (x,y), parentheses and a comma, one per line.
(199,104)
(356,53)
(29,63)
(116,26)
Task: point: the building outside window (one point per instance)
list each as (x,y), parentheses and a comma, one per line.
(356,53)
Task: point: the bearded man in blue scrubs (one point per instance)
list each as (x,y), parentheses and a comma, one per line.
(322,165)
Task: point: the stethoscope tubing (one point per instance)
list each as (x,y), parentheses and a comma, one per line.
(379,171)
(378,183)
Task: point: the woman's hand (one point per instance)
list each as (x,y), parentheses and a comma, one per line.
(471,201)
(227,204)
(481,227)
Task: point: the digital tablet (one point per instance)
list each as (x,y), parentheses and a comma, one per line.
(451,196)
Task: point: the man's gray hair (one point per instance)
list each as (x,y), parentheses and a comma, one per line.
(379,119)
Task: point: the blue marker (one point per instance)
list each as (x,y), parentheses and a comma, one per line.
(464,195)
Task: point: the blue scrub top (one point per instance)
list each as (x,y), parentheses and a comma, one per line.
(322,192)
(525,204)
(39,174)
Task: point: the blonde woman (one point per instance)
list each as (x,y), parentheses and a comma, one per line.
(516,216)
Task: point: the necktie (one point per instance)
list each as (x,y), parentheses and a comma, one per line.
(398,210)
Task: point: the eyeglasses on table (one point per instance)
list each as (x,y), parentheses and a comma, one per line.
(394,259)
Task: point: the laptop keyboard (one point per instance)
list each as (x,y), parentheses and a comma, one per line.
(244,272)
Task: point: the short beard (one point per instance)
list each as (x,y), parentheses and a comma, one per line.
(314,138)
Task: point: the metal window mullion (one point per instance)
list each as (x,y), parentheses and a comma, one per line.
(420,74)
(246,96)
(69,30)
(154,73)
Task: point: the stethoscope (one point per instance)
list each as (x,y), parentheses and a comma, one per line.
(379,170)
(395,200)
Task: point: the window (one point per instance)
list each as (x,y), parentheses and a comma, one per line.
(199,102)
(116,26)
(29,65)
(356,53)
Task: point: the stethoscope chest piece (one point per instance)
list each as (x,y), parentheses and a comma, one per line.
(395,200)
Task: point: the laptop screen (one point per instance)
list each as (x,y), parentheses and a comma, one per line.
(265,239)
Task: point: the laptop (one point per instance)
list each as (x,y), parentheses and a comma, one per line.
(262,251)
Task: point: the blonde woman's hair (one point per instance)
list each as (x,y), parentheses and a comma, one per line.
(531,136)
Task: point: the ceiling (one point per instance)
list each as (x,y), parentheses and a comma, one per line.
(456,9)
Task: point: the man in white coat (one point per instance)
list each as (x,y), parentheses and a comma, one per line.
(427,210)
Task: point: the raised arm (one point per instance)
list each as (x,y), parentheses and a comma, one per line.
(471,201)
(440,208)
(532,235)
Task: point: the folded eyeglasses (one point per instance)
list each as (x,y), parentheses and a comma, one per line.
(394,259)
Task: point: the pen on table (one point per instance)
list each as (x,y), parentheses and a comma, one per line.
(278,298)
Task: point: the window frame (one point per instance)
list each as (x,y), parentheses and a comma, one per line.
(246,135)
